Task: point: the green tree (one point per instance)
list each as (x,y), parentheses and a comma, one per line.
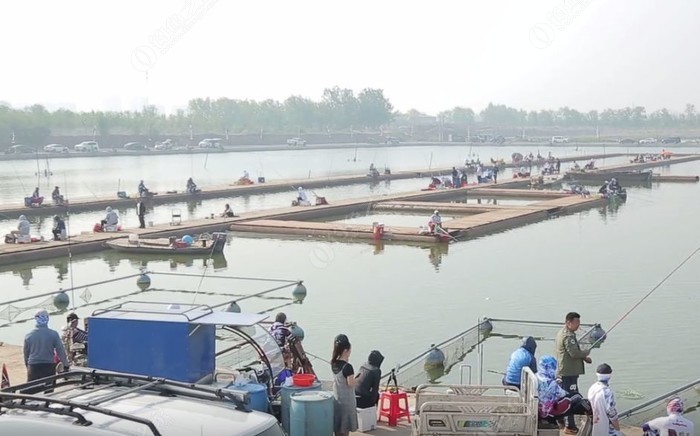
(374,109)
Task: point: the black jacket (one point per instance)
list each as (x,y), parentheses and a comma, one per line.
(140,209)
(368,378)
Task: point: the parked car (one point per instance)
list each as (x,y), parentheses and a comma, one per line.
(296,141)
(164,145)
(647,141)
(559,140)
(500,140)
(627,141)
(87,146)
(210,143)
(56,148)
(671,140)
(134,146)
(20,148)
(130,406)
(392,140)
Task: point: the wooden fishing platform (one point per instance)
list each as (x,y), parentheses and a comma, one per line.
(477,219)
(480,220)
(445,208)
(675,179)
(97,203)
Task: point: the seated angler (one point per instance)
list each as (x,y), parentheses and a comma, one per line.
(523,357)
(56,196)
(368,379)
(554,402)
(111,220)
(143,191)
(435,221)
(59,228)
(228,212)
(302,196)
(22,234)
(605,188)
(614,185)
(77,336)
(191,186)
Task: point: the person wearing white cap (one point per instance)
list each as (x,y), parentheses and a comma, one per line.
(39,347)
(673,424)
(602,398)
(435,221)
(302,197)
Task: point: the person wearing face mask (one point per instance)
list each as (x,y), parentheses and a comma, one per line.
(345,417)
(673,424)
(40,344)
(602,398)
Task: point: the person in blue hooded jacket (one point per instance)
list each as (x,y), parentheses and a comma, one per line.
(519,359)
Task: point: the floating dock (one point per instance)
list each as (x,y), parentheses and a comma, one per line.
(476,219)
(232,190)
(675,179)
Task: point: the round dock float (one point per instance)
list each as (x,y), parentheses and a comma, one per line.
(61,300)
(286,398)
(311,414)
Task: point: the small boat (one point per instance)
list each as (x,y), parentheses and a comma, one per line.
(205,244)
(601,176)
(620,194)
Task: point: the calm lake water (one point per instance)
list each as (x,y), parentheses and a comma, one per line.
(401,298)
(89,177)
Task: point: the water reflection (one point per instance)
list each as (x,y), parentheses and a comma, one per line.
(610,210)
(192,206)
(113,259)
(378,247)
(436,253)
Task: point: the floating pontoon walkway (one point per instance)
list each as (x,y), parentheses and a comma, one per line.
(85,204)
(293,220)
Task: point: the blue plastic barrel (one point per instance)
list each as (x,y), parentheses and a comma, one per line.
(286,394)
(311,413)
(257,395)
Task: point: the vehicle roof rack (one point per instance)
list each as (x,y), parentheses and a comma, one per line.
(40,394)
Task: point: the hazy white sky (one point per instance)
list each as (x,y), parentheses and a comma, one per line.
(429,55)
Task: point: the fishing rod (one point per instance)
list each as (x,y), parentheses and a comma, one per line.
(648,294)
(68,238)
(445,233)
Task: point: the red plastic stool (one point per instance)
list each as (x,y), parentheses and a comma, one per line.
(395,410)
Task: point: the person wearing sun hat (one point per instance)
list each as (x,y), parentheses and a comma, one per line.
(602,398)
(39,347)
(673,424)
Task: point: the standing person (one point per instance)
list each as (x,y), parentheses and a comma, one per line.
(570,359)
(673,424)
(39,347)
(602,398)
(141,212)
(455,177)
(345,417)
(519,359)
(495,174)
(368,378)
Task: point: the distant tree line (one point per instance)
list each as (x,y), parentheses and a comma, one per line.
(338,110)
